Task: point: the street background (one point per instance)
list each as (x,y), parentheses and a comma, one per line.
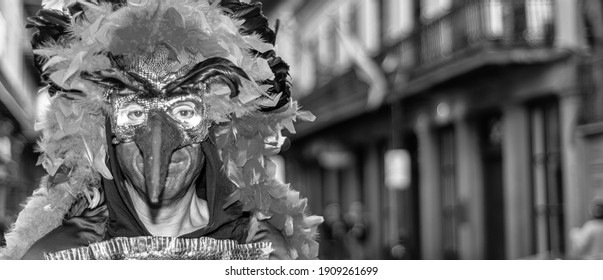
(466,129)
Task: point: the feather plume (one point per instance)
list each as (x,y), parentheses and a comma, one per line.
(210,71)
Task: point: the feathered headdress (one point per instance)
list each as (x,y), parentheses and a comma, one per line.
(85,47)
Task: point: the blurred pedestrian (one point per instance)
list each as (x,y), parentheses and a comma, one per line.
(332,234)
(587,242)
(356,223)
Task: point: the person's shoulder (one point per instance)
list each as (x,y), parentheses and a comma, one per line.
(593,225)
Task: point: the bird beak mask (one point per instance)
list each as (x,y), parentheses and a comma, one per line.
(164,110)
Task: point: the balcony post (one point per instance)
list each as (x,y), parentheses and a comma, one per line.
(517,166)
(373,201)
(471,226)
(429,192)
(576,192)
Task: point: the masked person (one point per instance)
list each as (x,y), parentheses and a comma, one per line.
(163,118)
(587,241)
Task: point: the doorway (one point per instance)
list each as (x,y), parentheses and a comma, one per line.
(490,138)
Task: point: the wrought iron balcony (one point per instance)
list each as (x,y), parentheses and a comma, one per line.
(480,24)
(473,34)
(475,27)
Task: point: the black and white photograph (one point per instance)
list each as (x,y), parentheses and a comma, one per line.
(340,130)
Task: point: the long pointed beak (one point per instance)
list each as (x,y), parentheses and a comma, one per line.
(157,142)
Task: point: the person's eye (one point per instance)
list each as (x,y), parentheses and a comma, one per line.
(136,115)
(132,114)
(186,113)
(183,111)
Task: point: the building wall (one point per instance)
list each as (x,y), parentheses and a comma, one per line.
(318,49)
(18,87)
(17,107)
(455,95)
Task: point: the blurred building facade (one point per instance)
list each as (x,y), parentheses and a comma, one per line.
(18,100)
(496,104)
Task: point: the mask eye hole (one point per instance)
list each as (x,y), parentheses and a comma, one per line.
(186,113)
(132,114)
(136,115)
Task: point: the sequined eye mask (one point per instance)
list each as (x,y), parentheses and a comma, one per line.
(187,112)
(155,82)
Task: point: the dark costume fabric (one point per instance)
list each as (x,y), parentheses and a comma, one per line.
(116,216)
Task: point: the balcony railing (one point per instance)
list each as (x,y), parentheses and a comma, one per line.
(474,26)
(468,30)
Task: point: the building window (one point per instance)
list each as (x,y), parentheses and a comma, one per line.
(546,173)
(449,193)
(539,16)
(384,20)
(398,19)
(494,21)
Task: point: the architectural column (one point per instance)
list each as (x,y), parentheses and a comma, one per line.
(331,187)
(470,191)
(577,196)
(313,181)
(372,193)
(516,165)
(351,190)
(429,192)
